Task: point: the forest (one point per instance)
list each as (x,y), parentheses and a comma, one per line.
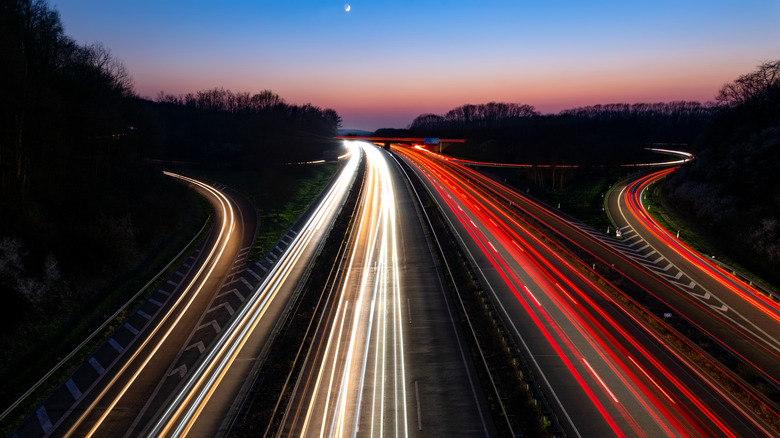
(588,136)
(732,189)
(242,130)
(84,202)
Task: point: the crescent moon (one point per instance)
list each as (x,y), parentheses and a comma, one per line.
(347,7)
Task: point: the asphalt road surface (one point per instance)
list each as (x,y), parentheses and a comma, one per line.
(604,372)
(137,380)
(388,358)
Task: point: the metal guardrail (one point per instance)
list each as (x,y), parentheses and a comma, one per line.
(100,329)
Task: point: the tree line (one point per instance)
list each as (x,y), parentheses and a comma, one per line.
(249,131)
(608,134)
(82,195)
(732,188)
(469,117)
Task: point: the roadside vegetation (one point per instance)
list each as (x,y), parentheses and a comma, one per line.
(87,215)
(265,404)
(582,197)
(597,139)
(700,239)
(85,220)
(592,136)
(280,194)
(732,190)
(729,195)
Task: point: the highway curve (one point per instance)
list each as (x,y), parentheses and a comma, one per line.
(107,394)
(605,372)
(743,321)
(193,328)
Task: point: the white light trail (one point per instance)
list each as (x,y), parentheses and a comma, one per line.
(182,413)
(372,273)
(226,228)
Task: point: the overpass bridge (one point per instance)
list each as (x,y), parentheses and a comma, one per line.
(436,143)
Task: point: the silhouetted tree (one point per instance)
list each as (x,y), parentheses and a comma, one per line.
(70,170)
(732,189)
(758,87)
(597,135)
(221,127)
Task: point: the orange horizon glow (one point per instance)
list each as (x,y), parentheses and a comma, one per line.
(383,63)
(363,98)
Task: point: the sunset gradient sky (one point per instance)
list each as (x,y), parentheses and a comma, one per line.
(384,62)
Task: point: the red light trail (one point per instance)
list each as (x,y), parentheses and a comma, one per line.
(633,379)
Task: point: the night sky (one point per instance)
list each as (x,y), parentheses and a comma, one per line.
(384,62)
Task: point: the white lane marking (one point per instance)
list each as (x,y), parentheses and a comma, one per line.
(132,329)
(532,295)
(225,305)
(213,324)
(180,370)
(112,342)
(74,390)
(96,365)
(419,416)
(43,418)
(651,380)
(199,345)
(252,273)
(604,385)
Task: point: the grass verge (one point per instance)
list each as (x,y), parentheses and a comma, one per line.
(264,406)
(697,238)
(581,196)
(280,195)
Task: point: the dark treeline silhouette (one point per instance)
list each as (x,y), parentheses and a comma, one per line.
(733,187)
(77,200)
(239,129)
(82,200)
(474,117)
(593,135)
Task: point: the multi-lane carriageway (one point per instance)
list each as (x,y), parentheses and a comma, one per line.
(391,354)
(605,371)
(179,364)
(388,360)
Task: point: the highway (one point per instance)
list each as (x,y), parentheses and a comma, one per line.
(387,358)
(201,406)
(742,320)
(178,364)
(106,393)
(603,369)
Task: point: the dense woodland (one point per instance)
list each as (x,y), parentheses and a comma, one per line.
(593,135)
(82,195)
(238,129)
(733,187)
